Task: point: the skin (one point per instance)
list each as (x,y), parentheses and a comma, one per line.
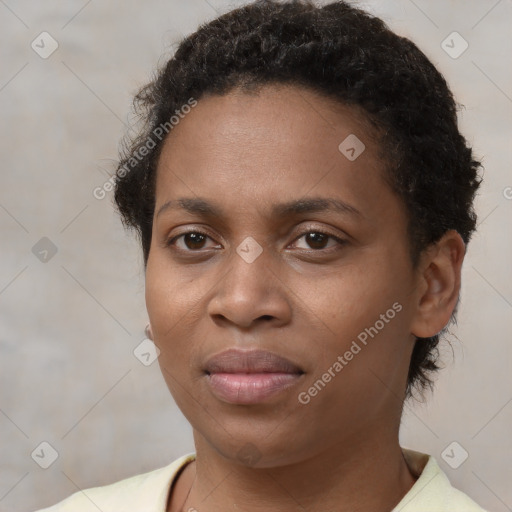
(304,299)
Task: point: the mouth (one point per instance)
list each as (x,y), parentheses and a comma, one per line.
(250,377)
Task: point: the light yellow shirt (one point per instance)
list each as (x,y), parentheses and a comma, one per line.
(148,492)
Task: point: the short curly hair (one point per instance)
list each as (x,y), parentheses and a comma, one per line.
(344,53)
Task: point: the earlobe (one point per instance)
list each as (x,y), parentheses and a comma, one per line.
(149,332)
(438,285)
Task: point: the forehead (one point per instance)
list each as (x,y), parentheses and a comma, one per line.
(280,143)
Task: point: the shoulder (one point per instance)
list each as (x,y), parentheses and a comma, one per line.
(432,492)
(146,492)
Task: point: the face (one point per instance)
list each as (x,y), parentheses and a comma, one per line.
(269,237)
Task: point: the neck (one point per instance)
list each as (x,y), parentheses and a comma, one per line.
(363,475)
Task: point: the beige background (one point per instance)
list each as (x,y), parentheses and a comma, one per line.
(68,327)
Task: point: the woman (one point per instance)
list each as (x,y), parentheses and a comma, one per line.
(304,200)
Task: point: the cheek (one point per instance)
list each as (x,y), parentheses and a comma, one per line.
(353,297)
(170,295)
(168,308)
(175,302)
(362,309)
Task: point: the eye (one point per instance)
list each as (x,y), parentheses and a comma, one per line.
(192,241)
(317,239)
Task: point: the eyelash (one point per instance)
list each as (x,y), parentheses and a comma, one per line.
(340,241)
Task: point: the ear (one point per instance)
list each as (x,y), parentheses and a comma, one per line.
(438,285)
(149,332)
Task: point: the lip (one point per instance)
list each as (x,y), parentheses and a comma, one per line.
(250,376)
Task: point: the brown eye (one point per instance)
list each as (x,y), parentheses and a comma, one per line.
(194,240)
(318,240)
(191,241)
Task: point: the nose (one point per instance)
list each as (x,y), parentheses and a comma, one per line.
(251,292)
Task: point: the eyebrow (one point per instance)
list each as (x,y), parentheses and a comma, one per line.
(201,206)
